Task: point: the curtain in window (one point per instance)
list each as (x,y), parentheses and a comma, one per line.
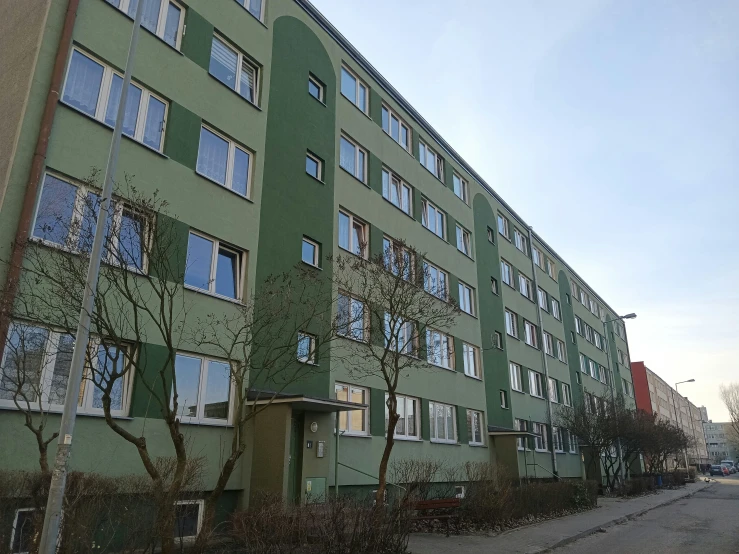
(150,17)
(83,83)
(213,156)
(344,231)
(133,101)
(172,25)
(240,180)
(223,63)
(255,7)
(55,210)
(248,82)
(154,124)
(347,156)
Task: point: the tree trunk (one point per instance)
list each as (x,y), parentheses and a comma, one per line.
(382,473)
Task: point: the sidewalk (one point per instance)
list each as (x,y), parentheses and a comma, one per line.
(542,537)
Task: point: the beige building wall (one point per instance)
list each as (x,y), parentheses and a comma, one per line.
(21,28)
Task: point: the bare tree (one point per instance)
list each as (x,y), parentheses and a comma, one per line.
(730,397)
(142,300)
(393,295)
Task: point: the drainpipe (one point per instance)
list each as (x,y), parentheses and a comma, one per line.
(543,356)
(37,168)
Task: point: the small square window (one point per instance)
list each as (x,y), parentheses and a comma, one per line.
(315,88)
(306,348)
(491,236)
(497,340)
(494,285)
(314,167)
(310,252)
(504,399)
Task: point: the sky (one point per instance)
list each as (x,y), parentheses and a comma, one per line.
(612,127)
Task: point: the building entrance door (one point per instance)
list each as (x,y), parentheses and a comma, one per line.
(295,461)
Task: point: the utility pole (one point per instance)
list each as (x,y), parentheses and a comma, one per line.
(54,505)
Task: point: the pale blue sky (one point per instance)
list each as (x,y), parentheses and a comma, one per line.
(612,127)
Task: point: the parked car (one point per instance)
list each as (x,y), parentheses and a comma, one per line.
(732,470)
(717,470)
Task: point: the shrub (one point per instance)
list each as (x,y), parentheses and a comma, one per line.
(636,486)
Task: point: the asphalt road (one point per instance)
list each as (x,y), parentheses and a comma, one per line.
(705,522)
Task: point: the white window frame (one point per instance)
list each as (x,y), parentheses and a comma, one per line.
(597,340)
(602,374)
(417,417)
(365,413)
(428,156)
(578,326)
(201,507)
(359,85)
(392,114)
(200,418)
(572,442)
(593,369)
(506,269)
(556,310)
(15,526)
(530,335)
(471,357)
(561,351)
(504,399)
(511,323)
(548,343)
(593,307)
(566,394)
(461,188)
(494,286)
(588,333)
(498,340)
(433,431)
(583,364)
(393,250)
(246,4)
(464,240)
(395,182)
(352,221)
(541,442)
(162,21)
(521,425)
(217,246)
(525,286)
(445,358)
(104,97)
(466,298)
(506,228)
(536,255)
(311,357)
(475,414)
(550,268)
(519,240)
(542,296)
(319,85)
(232,147)
(405,340)
(558,439)
(426,219)
(553,391)
(316,252)
(536,384)
(319,166)
(365,319)
(357,149)
(514,373)
(48,362)
(428,267)
(241,59)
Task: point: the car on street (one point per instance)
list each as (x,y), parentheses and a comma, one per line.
(717,470)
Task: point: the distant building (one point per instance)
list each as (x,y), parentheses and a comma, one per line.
(719,443)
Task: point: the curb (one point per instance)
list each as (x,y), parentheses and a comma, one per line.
(617,521)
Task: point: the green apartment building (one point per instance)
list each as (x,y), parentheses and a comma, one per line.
(275,141)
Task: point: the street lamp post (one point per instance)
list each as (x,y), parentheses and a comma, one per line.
(613,394)
(685,452)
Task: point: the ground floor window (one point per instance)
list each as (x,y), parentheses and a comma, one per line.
(21,537)
(474,427)
(443,425)
(353,422)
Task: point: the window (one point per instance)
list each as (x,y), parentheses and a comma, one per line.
(603,373)
(431,160)
(306,348)
(556,310)
(519,240)
(35,366)
(620,355)
(537,256)
(572,337)
(460,188)
(353,422)
(550,268)
(464,240)
(310,252)
(557,439)
(396,191)
(583,364)
(566,394)
(398,259)
(314,166)
(548,343)
(353,89)
(466,298)
(503,227)
(443,422)
(396,128)
(628,388)
(516,380)
(440,349)
(543,304)
(203,389)
(474,427)
(407,426)
(351,317)
(572,439)
(593,307)
(188,519)
(593,369)
(353,158)
(504,399)
(254,7)
(315,88)
(232,68)
(497,340)
(491,236)
(95,89)
(493,285)
(66,216)
(164,19)
(213,267)
(530,334)
(536,387)
(561,352)
(433,219)
(525,287)
(223,161)
(521,425)
(435,281)
(353,234)
(588,333)
(506,272)
(596,340)
(578,325)
(23,533)
(511,323)
(540,437)
(471,356)
(583,297)
(400,335)
(553,390)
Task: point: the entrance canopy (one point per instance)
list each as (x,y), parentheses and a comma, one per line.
(302,402)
